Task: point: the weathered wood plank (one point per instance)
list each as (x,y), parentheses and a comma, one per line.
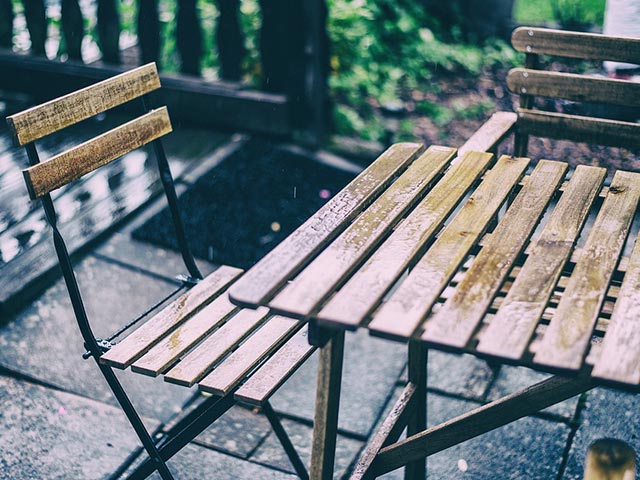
(270,273)
(576,45)
(57,114)
(620,357)
(456,321)
(275,371)
(610,459)
(260,345)
(511,329)
(92,154)
(303,295)
(139,342)
(579,88)
(490,134)
(359,296)
(403,312)
(567,338)
(579,129)
(162,355)
(198,361)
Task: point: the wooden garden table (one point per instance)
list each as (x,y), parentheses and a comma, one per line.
(465,253)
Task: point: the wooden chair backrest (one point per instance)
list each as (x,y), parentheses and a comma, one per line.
(530,82)
(42,120)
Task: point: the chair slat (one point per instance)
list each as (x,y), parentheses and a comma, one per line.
(566,340)
(456,321)
(301,297)
(491,133)
(181,339)
(579,129)
(140,341)
(199,361)
(62,112)
(620,357)
(580,88)
(88,156)
(511,329)
(233,369)
(403,312)
(270,273)
(275,371)
(576,45)
(359,296)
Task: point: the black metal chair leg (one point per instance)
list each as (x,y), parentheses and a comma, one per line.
(289,449)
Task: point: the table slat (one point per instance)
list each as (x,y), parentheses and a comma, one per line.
(359,296)
(511,329)
(200,360)
(401,315)
(620,357)
(171,347)
(456,321)
(264,342)
(140,341)
(270,273)
(567,338)
(300,297)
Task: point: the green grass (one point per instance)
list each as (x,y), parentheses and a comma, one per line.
(543,11)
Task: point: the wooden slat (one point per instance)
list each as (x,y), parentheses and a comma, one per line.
(410,303)
(88,156)
(620,357)
(577,45)
(270,273)
(300,297)
(357,298)
(579,129)
(490,134)
(275,371)
(511,329)
(57,114)
(181,339)
(261,344)
(456,321)
(200,360)
(567,338)
(579,88)
(140,341)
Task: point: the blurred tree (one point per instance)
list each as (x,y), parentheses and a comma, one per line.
(473,20)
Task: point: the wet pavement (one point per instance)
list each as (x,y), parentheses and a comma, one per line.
(58,419)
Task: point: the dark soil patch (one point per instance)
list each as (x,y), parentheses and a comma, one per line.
(248,204)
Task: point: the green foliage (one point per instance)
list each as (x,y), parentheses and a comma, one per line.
(580,12)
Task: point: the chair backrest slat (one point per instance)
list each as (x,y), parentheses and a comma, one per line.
(598,131)
(88,156)
(589,46)
(62,112)
(579,88)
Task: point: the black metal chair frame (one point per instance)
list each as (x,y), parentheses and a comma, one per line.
(210,409)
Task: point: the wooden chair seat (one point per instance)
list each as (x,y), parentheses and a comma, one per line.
(203,339)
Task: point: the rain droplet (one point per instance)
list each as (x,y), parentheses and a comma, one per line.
(463,466)
(275,226)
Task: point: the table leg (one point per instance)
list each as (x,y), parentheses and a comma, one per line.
(417,373)
(325,422)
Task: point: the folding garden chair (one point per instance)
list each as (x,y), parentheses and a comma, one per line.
(200,338)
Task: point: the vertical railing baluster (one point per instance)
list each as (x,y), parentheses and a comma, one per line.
(72,28)
(149,31)
(189,37)
(35,15)
(109,31)
(6,23)
(230,40)
(281,43)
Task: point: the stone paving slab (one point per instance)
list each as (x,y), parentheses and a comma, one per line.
(511,379)
(272,454)
(607,413)
(56,435)
(530,448)
(239,432)
(371,369)
(44,342)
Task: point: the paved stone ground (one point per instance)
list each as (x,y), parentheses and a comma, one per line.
(58,420)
